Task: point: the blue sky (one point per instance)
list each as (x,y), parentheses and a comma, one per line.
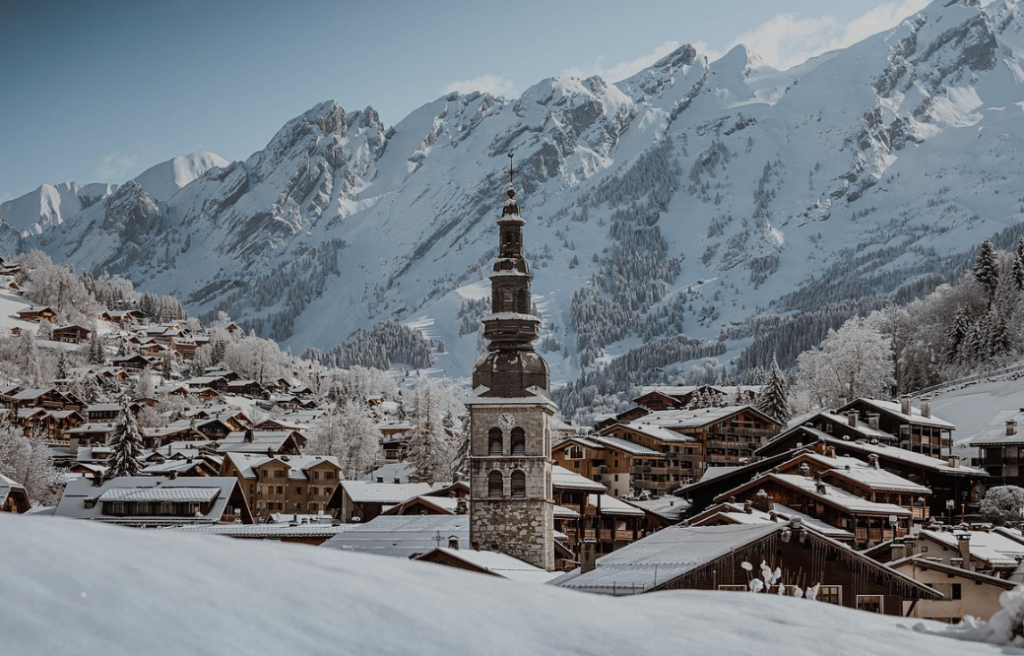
(101,90)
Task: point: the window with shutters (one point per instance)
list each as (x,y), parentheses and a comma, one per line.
(494,442)
(518,441)
(518,485)
(495,485)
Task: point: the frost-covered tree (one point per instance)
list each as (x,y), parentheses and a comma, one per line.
(351,435)
(97,353)
(27,461)
(59,288)
(167,366)
(851,362)
(431,449)
(1003,504)
(256,358)
(986,267)
(773,399)
(29,364)
(63,365)
(126,446)
(144,388)
(1018,265)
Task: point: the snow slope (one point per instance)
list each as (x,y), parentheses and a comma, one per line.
(129,591)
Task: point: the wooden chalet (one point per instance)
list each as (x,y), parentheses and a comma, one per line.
(915,429)
(948,478)
(153,501)
(870,522)
(707,437)
(289,484)
(179,431)
(13,496)
(656,459)
(45,397)
(730,512)
(997,552)
(284,442)
(1001,452)
(362,501)
(38,313)
(71,334)
(133,361)
(713,558)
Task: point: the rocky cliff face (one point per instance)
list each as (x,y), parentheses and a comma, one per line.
(689,198)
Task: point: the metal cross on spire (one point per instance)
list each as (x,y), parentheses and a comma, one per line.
(511,171)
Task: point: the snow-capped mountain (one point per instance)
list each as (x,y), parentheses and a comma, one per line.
(688,198)
(50,205)
(165,179)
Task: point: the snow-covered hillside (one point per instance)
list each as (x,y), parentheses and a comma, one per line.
(130,591)
(688,198)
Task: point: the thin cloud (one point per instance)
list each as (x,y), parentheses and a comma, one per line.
(496,85)
(115,166)
(618,71)
(788,39)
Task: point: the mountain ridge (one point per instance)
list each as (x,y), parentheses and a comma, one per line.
(688,198)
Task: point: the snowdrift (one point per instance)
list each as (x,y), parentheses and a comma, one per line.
(77,587)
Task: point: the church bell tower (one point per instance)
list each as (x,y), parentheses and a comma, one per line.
(510,410)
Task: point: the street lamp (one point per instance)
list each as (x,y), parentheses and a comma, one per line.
(892,525)
(950,506)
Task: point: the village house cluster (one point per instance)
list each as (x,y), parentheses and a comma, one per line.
(863,506)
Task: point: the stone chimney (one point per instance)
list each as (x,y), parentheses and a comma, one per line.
(748,507)
(905,404)
(954,461)
(830,451)
(899,549)
(851,418)
(461,507)
(926,406)
(805,470)
(763,502)
(873,460)
(873,420)
(963,543)
(1011,426)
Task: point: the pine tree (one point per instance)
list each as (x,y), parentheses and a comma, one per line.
(430,450)
(126,446)
(773,399)
(28,360)
(956,333)
(97,354)
(167,369)
(62,365)
(1018,265)
(986,267)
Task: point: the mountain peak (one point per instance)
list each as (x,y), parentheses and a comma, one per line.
(166,178)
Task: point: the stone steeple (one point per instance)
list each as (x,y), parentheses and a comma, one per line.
(511,365)
(511,506)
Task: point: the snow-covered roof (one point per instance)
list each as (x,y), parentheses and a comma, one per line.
(268,531)
(497,563)
(81,495)
(297,465)
(160,493)
(862,428)
(536,396)
(372,492)
(612,506)
(625,445)
(683,418)
(992,547)
(838,497)
(887,451)
(863,473)
(658,432)
(671,507)
(569,480)
(402,535)
(915,416)
(663,556)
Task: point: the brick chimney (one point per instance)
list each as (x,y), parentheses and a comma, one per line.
(851,418)
(1011,426)
(926,406)
(963,543)
(873,420)
(905,404)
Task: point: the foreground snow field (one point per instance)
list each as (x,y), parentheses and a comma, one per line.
(76,587)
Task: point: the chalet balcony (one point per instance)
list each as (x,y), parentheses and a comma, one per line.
(758,433)
(998,461)
(608,535)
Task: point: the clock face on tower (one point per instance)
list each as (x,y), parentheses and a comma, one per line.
(506,420)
